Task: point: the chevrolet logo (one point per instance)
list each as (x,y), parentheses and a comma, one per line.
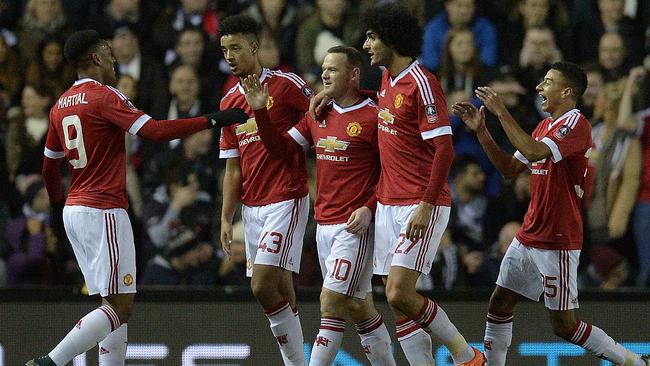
(331,144)
(386,116)
(248,128)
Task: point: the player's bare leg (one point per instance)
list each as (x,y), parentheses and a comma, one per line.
(416,311)
(567,326)
(498,327)
(95,327)
(335,307)
(270,285)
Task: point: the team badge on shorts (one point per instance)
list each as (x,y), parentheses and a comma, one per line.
(249,264)
(562,132)
(399,99)
(432,115)
(269,103)
(128,279)
(353,129)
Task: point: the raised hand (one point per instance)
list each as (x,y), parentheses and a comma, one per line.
(472,117)
(491,100)
(256,95)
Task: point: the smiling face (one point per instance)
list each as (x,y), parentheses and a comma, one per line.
(380,54)
(461,47)
(240,52)
(553,90)
(337,75)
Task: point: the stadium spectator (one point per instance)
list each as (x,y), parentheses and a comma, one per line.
(461,68)
(279,21)
(607,269)
(595,83)
(36,255)
(527,14)
(333,24)
(612,56)
(42,18)
(180,262)
(511,205)
(468,204)
(616,159)
(639,123)
(178,15)
(145,69)
(590,26)
(135,13)
(27,130)
(459,14)
(191,50)
(49,67)
(184,89)
(11,73)
(538,53)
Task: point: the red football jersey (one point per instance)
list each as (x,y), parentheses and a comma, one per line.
(412,111)
(347,158)
(87,125)
(554,219)
(644,136)
(266,180)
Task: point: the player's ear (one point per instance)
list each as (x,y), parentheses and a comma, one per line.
(356,73)
(255,45)
(94,57)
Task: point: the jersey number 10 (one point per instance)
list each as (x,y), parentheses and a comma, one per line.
(75,143)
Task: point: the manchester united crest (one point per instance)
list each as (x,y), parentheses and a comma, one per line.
(353,129)
(128,279)
(399,99)
(269,103)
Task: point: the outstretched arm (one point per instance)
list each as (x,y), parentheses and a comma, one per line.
(532,150)
(280,145)
(165,130)
(508,165)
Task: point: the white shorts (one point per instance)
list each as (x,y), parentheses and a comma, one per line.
(393,249)
(274,233)
(531,271)
(102,240)
(345,259)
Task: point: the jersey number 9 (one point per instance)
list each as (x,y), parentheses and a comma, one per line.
(75,143)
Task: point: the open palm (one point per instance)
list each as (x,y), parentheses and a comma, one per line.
(472,117)
(256,95)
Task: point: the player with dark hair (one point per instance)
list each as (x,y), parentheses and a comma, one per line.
(416,153)
(347,169)
(87,126)
(544,256)
(273,192)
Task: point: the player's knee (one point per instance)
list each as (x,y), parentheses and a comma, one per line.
(123,312)
(333,304)
(501,302)
(354,306)
(397,295)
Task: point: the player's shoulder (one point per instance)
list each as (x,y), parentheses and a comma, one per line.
(422,82)
(290,80)
(231,94)
(575,120)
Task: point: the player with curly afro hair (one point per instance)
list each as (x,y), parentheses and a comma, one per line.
(396,27)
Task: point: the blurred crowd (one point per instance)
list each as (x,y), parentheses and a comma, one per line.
(170,64)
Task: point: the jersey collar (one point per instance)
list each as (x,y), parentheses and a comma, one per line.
(404,72)
(85,80)
(351,108)
(265,73)
(554,122)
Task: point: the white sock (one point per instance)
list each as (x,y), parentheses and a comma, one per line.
(328,341)
(91,329)
(112,350)
(285,325)
(433,319)
(596,341)
(375,341)
(415,343)
(498,335)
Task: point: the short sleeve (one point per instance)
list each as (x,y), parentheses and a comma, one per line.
(570,138)
(297,92)
(120,111)
(301,133)
(228,147)
(53,148)
(433,120)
